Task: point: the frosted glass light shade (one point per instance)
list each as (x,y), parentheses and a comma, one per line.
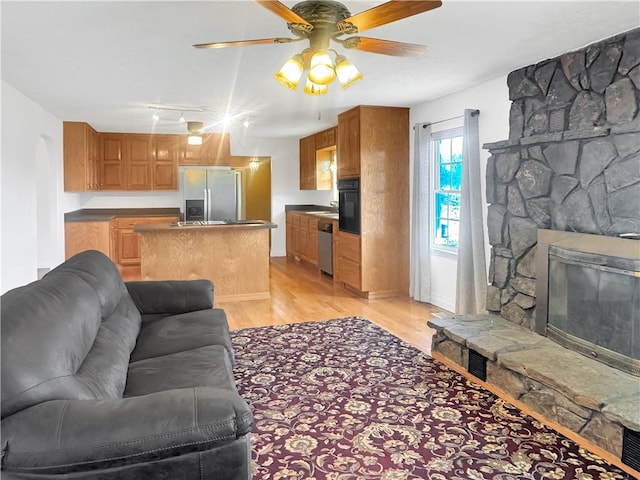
(290,73)
(321,68)
(312,88)
(347,72)
(194,139)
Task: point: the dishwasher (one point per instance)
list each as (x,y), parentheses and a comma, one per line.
(325,246)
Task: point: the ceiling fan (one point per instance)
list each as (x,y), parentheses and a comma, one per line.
(322,21)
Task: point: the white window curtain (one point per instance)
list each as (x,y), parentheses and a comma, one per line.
(420,285)
(471,285)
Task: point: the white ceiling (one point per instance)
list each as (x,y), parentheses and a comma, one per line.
(106,62)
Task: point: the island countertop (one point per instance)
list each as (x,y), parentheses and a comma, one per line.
(234,256)
(181,226)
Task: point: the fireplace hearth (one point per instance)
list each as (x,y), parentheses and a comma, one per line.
(588,295)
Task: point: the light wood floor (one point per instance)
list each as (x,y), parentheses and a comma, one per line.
(299,293)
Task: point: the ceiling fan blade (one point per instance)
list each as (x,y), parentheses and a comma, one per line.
(385,47)
(242,43)
(386,13)
(283,12)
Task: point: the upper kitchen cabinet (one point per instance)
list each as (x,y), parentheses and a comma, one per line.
(165,162)
(112,164)
(215,150)
(349,143)
(80,146)
(138,161)
(308,163)
(317,152)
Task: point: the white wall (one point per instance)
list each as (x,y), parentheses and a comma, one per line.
(492,99)
(31,149)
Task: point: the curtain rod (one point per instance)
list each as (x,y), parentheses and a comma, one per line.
(473,114)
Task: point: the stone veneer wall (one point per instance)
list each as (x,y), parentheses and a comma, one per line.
(572,162)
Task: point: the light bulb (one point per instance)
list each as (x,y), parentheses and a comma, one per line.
(347,72)
(321,68)
(290,73)
(312,88)
(181,119)
(155,116)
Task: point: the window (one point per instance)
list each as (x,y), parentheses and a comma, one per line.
(446,162)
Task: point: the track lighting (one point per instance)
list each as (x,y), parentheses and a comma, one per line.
(155,115)
(322,71)
(254,164)
(181,119)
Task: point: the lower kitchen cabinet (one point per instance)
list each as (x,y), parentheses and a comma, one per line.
(115,238)
(127,251)
(347,257)
(81,236)
(302,237)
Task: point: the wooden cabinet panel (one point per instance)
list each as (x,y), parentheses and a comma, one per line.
(326,138)
(215,150)
(165,162)
(81,236)
(312,241)
(80,147)
(289,234)
(308,163)
(138,161)
(349,246)
(350,272)
(112,165)
(349,143)
(127,252)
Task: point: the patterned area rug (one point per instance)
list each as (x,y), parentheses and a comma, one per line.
(344,399)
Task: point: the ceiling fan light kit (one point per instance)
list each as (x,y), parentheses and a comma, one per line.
(195,133)
(320,21)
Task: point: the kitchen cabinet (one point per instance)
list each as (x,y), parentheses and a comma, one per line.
(165,162)
(308,163)
(348,257)
(127,241)
(373,145)
(317,152)
(80,152)
(326,138)
(302,237)
(349,143)
(136,161)
(215,150)
(112,164)
(81,236)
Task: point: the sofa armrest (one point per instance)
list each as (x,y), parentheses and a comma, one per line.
(62,436)
(171,296)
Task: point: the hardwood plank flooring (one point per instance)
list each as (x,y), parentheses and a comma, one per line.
(299,293)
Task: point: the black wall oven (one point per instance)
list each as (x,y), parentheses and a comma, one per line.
(349,205)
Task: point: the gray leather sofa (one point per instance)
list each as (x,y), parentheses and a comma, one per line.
(106,380)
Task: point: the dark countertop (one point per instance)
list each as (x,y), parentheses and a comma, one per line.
(309,208)
(174,227)
(106,214)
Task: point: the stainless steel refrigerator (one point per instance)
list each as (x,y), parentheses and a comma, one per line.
(211,194)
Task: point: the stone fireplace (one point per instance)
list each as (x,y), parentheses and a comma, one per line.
(570,166)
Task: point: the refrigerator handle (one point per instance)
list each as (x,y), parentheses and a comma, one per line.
(206,205)
(210,207)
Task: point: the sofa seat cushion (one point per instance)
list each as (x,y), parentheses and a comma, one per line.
(178,333)
(201,367)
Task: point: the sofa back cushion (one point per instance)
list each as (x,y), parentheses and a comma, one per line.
(67,336)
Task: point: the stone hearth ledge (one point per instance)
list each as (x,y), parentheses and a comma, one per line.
(576,392)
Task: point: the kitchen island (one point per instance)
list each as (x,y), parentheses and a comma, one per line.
(233,255)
